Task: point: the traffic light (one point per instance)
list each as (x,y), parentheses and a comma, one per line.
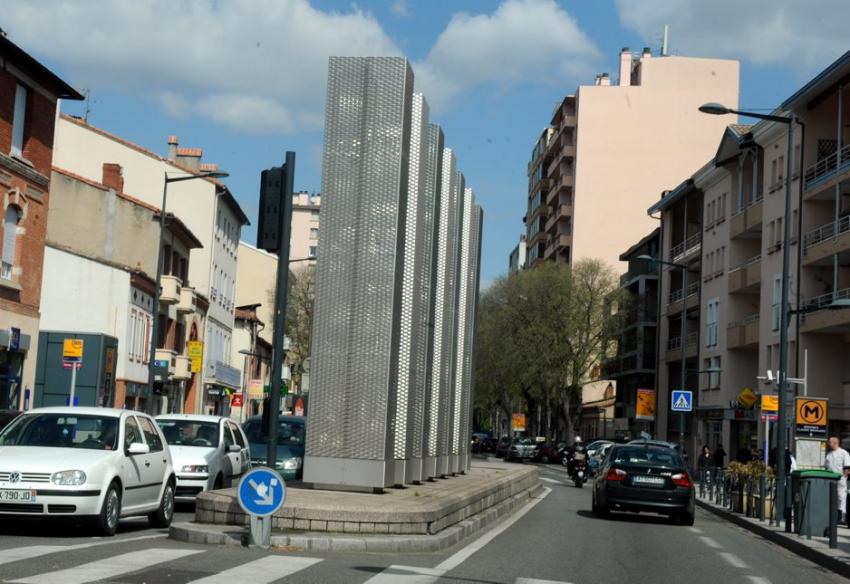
(273,202)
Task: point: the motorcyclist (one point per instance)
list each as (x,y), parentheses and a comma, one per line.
(579,455)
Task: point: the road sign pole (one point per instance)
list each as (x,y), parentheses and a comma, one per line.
(260,494)
(73,383)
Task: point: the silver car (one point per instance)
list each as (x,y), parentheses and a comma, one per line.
(521,449)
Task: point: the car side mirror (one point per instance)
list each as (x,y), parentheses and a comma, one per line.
(234,448)
(138,448)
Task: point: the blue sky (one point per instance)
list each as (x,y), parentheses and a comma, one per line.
(245,79)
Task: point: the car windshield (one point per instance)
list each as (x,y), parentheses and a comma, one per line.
(646,456)
(288,433)
(62,431)
(189,432)
(524,441)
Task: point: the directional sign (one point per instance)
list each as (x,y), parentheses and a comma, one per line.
(812,417)
(261,492)
(72,350)
(681,400)
(769,403)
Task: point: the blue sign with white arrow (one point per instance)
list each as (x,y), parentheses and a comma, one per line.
(681,400)
(261,492)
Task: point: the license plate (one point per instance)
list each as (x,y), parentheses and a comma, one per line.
(650,481)
(17,496)
(581,474)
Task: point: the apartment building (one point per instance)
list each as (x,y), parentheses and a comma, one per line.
(733,247)
(631,360)
(304,240)
(594,170)
(29,99)
(516,259)
(207,208)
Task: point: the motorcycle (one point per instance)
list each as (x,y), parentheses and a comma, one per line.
(579,473)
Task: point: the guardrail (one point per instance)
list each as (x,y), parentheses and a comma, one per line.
(744,321)
(685,247)
(825,232)
(826,167)
(676,342)
(746,264)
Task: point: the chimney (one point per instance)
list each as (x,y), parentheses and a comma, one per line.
(112,177)
(647,53)
(625,67)
(172,148)
(208,167)
(604,79)
(190,158)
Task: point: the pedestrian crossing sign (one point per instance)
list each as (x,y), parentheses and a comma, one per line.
(681,401)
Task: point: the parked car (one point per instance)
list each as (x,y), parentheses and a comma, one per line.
(545,453)
(594,447)
(6,417)
(291,432)
(521,449)
(644,477)
(503,446)
(595,461)
(490,445)
(99,463)
(209,452)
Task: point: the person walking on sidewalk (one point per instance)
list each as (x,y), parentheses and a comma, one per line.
(719,456)
(704,464)
(838,460)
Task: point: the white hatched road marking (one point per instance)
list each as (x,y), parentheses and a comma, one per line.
(109,567)
(710,542)
(537,581)
(262,571)
(734,560)
(34,551)
(415,575)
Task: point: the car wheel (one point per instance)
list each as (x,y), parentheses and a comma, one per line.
(686,519)
(165,513)
(219,483)
(110,512)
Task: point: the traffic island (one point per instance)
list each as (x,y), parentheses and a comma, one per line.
(427,517)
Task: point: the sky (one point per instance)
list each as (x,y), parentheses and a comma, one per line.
(245,79)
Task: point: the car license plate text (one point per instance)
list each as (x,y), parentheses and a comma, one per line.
(651,481)
(17,496)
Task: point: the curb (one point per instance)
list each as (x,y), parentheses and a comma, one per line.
(790,543)
(324,542)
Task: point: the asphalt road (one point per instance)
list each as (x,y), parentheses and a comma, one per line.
(553,540)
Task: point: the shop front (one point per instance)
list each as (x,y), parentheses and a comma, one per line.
(220,383)
(14,346)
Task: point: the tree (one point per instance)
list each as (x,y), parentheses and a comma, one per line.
(540,333)
(299,318)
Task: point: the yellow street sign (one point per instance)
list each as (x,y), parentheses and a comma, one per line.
(811,412)
(770,403)
(645,407)
(195,349)
(72,349)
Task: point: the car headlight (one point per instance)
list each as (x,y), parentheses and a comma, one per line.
(292,463)
(68,477)
(195,468)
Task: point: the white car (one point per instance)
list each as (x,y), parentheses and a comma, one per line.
(209,452)
(101,463)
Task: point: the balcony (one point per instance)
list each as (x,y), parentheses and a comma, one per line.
(744,333)
(747,222)
(822,176)
(686,249)
(824,320)
(745,277)
(169,356)
(559,213)
(674,347)
(565,181)
(819,245)
(182,367)
(674,300)
(187,299)
(170,293)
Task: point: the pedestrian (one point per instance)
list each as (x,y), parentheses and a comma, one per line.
(838,460)
(704,463)
(719,456)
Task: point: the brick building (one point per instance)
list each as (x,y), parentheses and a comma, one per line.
(29,98)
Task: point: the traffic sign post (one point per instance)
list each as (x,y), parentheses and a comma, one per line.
(261,492)
(682,400)
(72,356)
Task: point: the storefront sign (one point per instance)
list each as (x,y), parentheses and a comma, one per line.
(195,351)
(236,402)
(812,417)
(255,389)
(299,407)
(518,422)
(747,398)
(646,400)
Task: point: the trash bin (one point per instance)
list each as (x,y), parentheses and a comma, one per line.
(810,492)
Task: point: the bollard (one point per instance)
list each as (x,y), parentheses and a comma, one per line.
(807,518)
(787,487)
(833,514)
(762,492)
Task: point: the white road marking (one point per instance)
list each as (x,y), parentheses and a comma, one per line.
(734,560)
(417,575)
(108,568)
(262,571)
(552,481)
(34,551)
(538,581)
(758,580)
(710,542)
(695,529)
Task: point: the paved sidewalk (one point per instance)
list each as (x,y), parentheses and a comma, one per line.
(815,549)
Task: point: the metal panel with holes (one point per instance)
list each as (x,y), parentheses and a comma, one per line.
(354,410)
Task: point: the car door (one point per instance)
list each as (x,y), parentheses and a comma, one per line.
(156,462)
(131,464)
(245,452)
(232,460)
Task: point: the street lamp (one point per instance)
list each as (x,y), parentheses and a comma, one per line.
(718,109)
(683,334)
(159,261)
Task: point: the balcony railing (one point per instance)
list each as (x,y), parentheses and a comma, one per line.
(744,321)
(676,342)
(827,167)
(825,232)
(744,265)
(676,296)
(685,248)
(824,300)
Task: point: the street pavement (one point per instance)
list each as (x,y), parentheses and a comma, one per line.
(554,539)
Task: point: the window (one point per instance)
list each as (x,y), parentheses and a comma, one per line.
(711,322)
(773,172)
(781,166)
(314,215)
(779,233)
(151,435)
(723,206)
(132,434)
(314,233)
(10,237)
(714,376)
(777,294)
(18,120)
(312,252)
(771,237)
(238,436)
(228,437)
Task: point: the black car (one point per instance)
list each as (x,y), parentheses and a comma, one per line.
(503,446)
(644,477)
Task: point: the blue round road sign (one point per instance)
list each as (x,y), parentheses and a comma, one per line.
(261,492)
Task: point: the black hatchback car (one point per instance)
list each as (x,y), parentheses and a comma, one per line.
(644,477)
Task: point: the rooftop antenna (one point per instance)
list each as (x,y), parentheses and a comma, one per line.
(87,94)
(664,43)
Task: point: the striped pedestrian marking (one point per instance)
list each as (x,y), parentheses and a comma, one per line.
(266,569)
(109,567)
(34,551)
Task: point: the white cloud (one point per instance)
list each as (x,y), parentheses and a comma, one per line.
(522,41)
(805,35)
(400,8)
(260,66)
